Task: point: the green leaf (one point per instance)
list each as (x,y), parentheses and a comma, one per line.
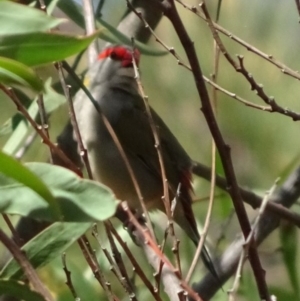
(46,246)
(46,47)
(79,200)
(288,237)
(16,289)
(15,170)
(17,18)
(13,72)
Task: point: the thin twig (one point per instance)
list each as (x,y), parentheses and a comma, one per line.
(95,269)
(170,10)
(44,120)
(239,67)
(68,282)
(249,241)
(39,130)
(29,271)
(135,264)
(117,266)
(148,241)
(180,62)
(82,150)
(12,229)
(157,145)
(268,57)
(213,167)
(248,196)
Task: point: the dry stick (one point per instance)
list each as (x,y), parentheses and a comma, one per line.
(29,271)
(83,241)
(38,129)
(83,152)
(170,11)
(213,171)
(169,271)
(232,292)
(157,145)
(208,216)
(92,261)
(268,57)
(12,229)
(239,67)
(117,265)
(68,282)
(117,143)
(157,275)
(101,275)
(95,269)
(248,196)
(136,266)
(44,120)
(286,196)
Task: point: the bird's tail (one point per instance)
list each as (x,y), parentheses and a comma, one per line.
(208,262)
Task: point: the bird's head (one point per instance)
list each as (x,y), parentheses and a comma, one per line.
(116,63)
(121,55)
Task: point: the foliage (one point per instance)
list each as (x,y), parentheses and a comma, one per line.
(263,145)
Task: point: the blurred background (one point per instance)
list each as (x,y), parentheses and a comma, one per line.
(264,146)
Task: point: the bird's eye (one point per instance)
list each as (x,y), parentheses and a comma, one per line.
(113,55)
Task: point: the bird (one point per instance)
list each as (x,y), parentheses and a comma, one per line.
(114,87)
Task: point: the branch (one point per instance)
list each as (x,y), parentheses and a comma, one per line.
(248,196)
(268,57)
(224,150)
(29,271)
(286,196)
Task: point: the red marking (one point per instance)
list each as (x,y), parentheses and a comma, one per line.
(120,53)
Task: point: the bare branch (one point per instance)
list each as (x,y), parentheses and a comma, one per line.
(286,196)
(29,271)
(170,11)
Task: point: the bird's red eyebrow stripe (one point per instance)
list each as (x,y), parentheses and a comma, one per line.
(105,53)
(122,54)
